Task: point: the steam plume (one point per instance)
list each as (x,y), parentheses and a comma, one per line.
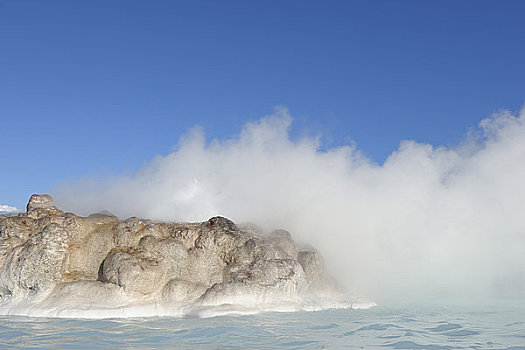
(429,222)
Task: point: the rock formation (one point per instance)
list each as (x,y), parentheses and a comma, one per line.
(64,261)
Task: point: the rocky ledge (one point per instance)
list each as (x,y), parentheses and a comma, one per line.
(64,261)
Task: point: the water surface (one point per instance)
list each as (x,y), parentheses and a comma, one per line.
(495,325)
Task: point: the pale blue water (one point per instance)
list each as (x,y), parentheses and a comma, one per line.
(494,325)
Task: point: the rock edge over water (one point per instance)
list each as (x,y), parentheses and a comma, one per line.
(55,260)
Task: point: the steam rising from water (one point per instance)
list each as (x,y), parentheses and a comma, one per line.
(429,222)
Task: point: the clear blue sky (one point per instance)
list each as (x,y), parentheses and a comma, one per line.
(91,88)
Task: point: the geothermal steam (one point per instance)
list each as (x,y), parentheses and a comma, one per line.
(429,222)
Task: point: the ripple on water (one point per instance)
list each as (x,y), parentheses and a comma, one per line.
(461,333)
(415,346)
(445,327)
(386,328)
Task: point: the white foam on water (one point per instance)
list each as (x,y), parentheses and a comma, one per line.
(239,305)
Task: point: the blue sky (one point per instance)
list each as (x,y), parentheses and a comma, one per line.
(98,88)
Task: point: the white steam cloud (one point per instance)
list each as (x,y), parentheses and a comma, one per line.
(6,209)
(429,222)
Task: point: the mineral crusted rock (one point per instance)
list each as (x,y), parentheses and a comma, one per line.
(40,201)
(312,265)
(100,260)
(37,264)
